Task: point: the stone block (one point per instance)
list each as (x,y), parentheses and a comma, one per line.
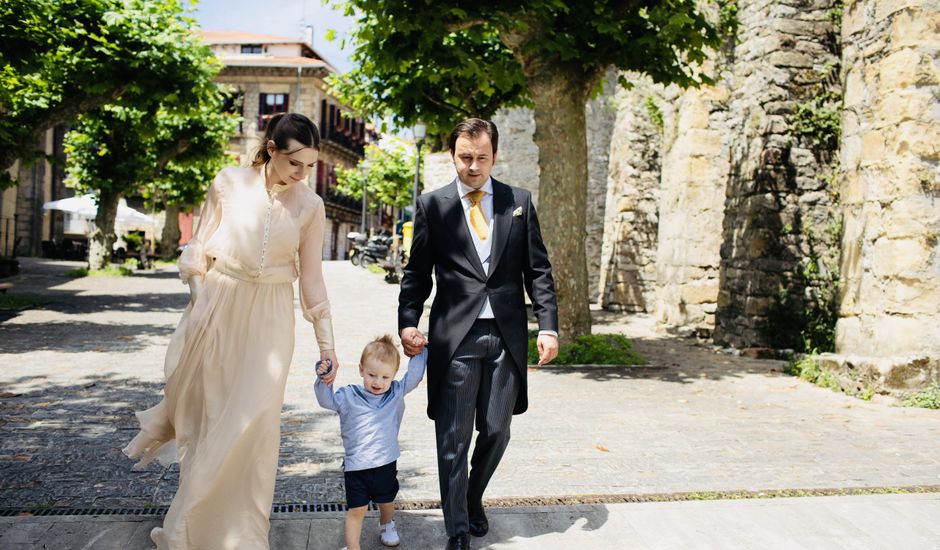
(900,70)
(892,257)
(789,59)
(899,221)
(850,153)
(916,26)
(911,296)
(759,353)
(756,305)
(853,22)
(695,294)
(918,137)
(851,335)
(899,105)
(914,374)
(895,335)
(873,146)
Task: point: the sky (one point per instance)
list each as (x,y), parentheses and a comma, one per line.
(281,17)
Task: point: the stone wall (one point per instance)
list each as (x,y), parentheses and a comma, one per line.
(627,280)
(777,205)
(891,185)
(695,170)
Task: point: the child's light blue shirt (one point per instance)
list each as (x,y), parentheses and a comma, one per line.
(369,423)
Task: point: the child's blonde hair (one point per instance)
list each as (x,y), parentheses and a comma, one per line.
(383,350)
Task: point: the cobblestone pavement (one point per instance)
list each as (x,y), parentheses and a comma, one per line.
(73,372)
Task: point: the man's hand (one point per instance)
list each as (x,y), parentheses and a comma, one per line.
(195,288)
(548,348)
(413,341)
(331,355)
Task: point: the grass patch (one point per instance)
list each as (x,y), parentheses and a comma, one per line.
(592,349)
(928,398)
(110,271)
(16,302)
(807,368)
(165,262)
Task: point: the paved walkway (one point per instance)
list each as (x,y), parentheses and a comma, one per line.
(74,371)
(887,522)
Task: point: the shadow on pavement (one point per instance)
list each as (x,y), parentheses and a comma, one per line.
(78,337)
(61,447)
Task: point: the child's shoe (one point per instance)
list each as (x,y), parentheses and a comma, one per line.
(388,534)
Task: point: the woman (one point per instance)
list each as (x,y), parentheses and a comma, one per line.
(227,362)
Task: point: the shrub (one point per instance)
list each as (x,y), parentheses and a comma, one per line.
(928,398)
(592,349)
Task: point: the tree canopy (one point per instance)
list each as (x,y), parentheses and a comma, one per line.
(60,58)
(388,171)
(417,58)
(166,138)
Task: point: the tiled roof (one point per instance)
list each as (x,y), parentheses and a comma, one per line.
(271,61)
(238,37)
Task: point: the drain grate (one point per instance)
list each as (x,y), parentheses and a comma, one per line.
(155,511)
(511,502)
(160,511)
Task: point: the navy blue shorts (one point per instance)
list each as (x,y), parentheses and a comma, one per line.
(378,485)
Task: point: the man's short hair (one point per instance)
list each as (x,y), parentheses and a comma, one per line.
(473,127)
(383,350)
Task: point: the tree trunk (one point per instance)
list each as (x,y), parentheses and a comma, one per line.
(561,137)
(170,238)
(559,94)
(102,239)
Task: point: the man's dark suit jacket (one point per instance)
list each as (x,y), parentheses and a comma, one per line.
(518,260)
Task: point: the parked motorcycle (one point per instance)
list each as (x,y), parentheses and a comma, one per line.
(357,241)
(375,250)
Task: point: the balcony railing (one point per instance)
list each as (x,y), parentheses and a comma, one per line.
(339,199)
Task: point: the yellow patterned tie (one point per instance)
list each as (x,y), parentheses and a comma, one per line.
(477,219)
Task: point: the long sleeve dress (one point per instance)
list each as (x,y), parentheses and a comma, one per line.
(227,362)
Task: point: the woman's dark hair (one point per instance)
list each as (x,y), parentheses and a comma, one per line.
(473,127)
(283,127)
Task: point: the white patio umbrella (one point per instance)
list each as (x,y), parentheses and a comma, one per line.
(85,207)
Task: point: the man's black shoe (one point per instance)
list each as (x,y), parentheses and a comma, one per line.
(479,526)
(459,542)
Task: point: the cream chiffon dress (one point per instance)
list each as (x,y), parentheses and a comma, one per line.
(227,362)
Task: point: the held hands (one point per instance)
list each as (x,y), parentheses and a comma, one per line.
(548,348)
(413,341)
(327,366)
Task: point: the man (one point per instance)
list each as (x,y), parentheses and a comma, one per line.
(482,240)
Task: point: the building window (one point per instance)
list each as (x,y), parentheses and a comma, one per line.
(321,178)
(252,48)
(270,105)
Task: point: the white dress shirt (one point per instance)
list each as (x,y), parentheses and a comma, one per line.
(483,247)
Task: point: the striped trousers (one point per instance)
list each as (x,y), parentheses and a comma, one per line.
(481,386)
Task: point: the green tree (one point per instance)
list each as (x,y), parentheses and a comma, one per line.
(61,58)
(183,183)
(560,51)
(116,150)
(388,171)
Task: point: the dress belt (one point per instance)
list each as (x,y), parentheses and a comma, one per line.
(271,274)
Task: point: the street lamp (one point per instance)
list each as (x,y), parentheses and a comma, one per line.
(365,179)
(420,131)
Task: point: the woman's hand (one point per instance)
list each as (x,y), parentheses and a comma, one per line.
(331,355)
